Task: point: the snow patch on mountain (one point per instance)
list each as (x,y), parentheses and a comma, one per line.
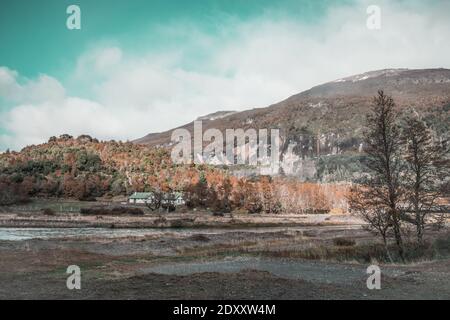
(372,74)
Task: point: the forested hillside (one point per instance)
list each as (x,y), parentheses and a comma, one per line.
(85,168)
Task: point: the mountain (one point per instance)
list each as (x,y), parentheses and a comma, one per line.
(320,130)
(326,122)
(216,115)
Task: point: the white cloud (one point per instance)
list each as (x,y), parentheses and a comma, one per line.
(298,56)
(44,88)
(35,123)
(250,64)
(98,60)
(8,84)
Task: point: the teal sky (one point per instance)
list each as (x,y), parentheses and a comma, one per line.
(141,66)
(36,40)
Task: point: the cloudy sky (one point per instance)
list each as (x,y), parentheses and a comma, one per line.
(142,66)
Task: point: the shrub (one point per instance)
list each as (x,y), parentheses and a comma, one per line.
(10,195)
(218,214)
(127,211)
(199,237)
(181,223)
(87,198)
(160,220)
(48,212)
(114,211)
(344,242)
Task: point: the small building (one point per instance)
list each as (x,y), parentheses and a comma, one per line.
(175,198)
(140,197)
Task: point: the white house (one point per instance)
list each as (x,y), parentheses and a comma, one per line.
(146,197)
(140,197)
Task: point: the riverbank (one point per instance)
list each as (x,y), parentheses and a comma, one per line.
(169,220)
(199,255)
(66,213)
(216,264)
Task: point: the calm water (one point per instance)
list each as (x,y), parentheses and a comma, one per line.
(17,234)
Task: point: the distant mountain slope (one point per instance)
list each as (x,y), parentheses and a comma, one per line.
(328,119)
(323,106)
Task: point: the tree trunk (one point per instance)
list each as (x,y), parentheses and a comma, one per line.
(388,253)
(420,229)
(398,239)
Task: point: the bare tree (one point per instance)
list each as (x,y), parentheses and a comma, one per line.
(426,165)
(156,200)
(381,188)
(168,201)
(162,200)
(372,211)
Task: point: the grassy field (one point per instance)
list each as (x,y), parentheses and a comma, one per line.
(286,264)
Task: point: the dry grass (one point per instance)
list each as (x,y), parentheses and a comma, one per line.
(341,249)
(231,248)
(344,242)
(348,250)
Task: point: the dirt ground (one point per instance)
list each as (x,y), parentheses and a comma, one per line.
(23,217)
(223,265)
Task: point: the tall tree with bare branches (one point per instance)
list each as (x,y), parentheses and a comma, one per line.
(426,166)
(381,192)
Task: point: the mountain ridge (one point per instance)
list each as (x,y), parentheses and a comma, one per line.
(413,87)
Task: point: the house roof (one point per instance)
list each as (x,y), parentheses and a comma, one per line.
(147,195)
(140,195)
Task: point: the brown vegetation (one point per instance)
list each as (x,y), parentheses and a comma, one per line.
(85,168)
(104,210)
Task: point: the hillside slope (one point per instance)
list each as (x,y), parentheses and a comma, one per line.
(328,119)
(84,167)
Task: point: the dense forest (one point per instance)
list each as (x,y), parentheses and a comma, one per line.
(85,168)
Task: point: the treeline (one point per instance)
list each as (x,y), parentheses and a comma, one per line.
(81,168)
(264,194)
(84,168)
